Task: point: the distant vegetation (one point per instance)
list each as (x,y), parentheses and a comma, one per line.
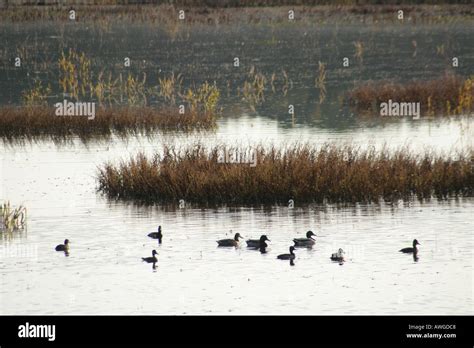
(303,173)
(447,95)
(230,11)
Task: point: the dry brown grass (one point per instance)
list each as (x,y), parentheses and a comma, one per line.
(236,11)
(300,172)
(40,121)
(447,95)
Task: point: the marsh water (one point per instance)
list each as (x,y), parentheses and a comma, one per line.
(103,273)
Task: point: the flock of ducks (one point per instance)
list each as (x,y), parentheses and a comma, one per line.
(260,244)
(257,244)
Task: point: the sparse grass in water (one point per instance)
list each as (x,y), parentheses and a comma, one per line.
(11,218)
(203,99)
(359,51)
(170,87)
(75,74)
(37,95)
(253,90)
(321,81)
(303,173)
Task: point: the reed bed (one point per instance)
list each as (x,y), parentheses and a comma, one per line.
(12,218)
(447,95)
(301,172)
(29,122)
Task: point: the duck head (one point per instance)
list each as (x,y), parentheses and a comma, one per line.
(154,253)
(292,249)
(159,228)
(237,236)
(415,243)
(263,245)
(340,251)
(66,241)
(310,235)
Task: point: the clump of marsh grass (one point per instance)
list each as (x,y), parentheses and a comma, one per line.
(40,121)
(75,73)
(37,95)
(11,218)
(359,51)
(253,89)
(447,95)
(301,172)
(320,81)
(170,87)
(203,99)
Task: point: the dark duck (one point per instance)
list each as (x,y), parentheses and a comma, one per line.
(151,259)
(290,256)
(156,235)
(412,250)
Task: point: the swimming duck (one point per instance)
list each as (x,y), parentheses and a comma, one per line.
(258,243)
(230,242)
(156,235)
(339,256)
(411,250)
(290,256)
(151,259)
(305,242)
(63,247)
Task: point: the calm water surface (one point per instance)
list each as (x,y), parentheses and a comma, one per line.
(104,274)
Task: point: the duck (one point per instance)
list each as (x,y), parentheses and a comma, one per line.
(63,247)
(230,242)
(305,242)
(414,249)
(151,259)
(339,256)
(290,256)
(156,235)
(258,243)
